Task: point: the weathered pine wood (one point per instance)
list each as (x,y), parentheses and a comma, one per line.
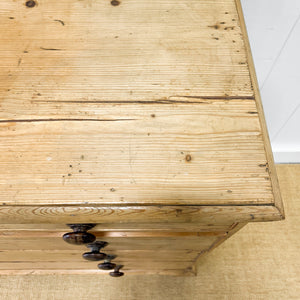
(115,243)
(139,113)
(76,255)
(164,116)
(137,214)
(269,154)
(141,265)
(105,234)
(211,153)
(9,229)
(137,51)
(190,271)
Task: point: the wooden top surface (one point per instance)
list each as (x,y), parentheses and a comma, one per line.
(147,102)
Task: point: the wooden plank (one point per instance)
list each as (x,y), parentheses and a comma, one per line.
(164,153)
(269,154)
(139,50)
(76,255)
(167,272)
(145,227)
(64,265)
(211,153)
(105,234)
(115,243)
(136,214)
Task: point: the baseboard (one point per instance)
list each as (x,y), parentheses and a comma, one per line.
(285,157)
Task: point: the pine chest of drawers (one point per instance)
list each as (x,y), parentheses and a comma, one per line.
(141,118)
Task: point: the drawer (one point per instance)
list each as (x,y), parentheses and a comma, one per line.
(140,252)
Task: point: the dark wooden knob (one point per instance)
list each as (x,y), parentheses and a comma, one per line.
(79,235)
(116,272)
(95,253)
(107,264)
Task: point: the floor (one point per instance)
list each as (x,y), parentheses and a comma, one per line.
(262,261)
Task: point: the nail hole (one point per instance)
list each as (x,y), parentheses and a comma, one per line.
(188,157)
(30,3)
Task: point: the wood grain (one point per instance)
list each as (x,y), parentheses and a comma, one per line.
(76,255)
(140,265)
(106,234)
(97,108)
(212,153)
(121,227)
(66,50)
(115,243)
(265,134)
(136,214)
(261,261)
(190,271)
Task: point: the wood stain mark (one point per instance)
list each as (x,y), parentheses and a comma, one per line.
(216,26)
(30,3)
(219,97)
(229,27)
(263,165)
(59,120)
(159,101)
(115,2)
(60,21)
(188,157)
(50,49)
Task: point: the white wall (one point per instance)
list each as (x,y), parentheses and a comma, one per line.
(274,33)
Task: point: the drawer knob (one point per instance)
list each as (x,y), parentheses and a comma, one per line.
(116,272)
(95,253)
(107,264)
(79,235)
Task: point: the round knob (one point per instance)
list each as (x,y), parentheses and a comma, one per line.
(79,235)
(116,272)
(95,253)
(107,264)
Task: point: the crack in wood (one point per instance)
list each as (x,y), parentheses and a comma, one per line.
(63,119)
(50,49)
(159,101)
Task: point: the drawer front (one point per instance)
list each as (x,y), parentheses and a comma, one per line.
(139,252)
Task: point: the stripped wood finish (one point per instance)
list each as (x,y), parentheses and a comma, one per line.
(137,51)
(156,117)
(203,154)
(138,214)
(9,229)
(107,234)
(76,255)
(190,271)
(115,243)
(142,117)
(268,149)
(142,265)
